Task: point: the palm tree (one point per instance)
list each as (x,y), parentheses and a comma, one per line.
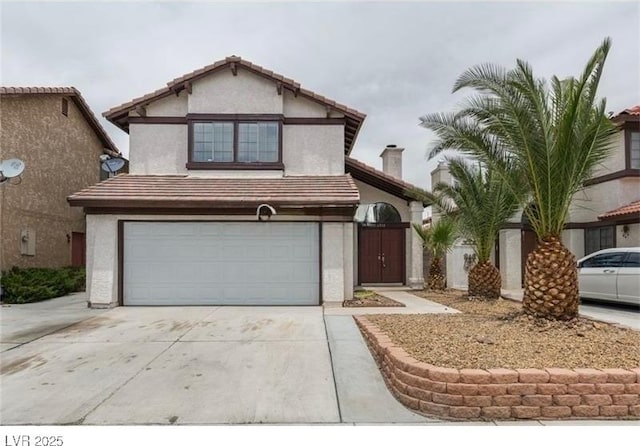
(482,203)
(438,238)
(552,136)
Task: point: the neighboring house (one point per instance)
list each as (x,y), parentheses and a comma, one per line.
(604,214)
(241,192)
(60,141)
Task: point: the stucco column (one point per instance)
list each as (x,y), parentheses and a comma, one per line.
(348,260)
(333,274)
(102,261)
(511,259)
(416,275)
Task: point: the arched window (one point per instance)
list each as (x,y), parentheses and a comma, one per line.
(377,213)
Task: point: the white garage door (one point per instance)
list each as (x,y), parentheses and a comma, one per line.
(208,263)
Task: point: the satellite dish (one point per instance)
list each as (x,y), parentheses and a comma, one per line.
(112,165)
(11,168)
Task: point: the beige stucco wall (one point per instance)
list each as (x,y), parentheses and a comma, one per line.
(510,258)
(170,106)
(158,149)
(313,149)
(632,237)
(603,197)
(222,92)
(61,157)
(616,161)
(573,239)
(299,107)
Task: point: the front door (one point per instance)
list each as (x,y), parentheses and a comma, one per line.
(381,254)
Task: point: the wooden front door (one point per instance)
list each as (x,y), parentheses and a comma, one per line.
(78,248)
(381,254)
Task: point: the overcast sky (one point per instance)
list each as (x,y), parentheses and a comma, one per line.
(393,61)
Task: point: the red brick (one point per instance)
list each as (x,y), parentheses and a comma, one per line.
(408,401)
(610,388)
(634,410)
(596,400)
(492,389)
(521,389)
(555,411)
(552,389)
(420,369)
(620,376)
(475,376)
(592,376)
(532,376)
(525,412)
(637,372)
(581,389)
(444,374)
(464,412)
(537,400)
(507,400)
(567,400)
(434,408)
(614,411)
(562,376)
(503,376)
(445,398)
(462,389)
(496,412)
(422,383)
(632,388)
(585,411)
(477,401)
(416,392)
(627,400)
(407,378)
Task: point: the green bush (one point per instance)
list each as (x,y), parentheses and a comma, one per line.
(24,285)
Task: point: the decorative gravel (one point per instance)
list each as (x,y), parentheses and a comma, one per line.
(493,334)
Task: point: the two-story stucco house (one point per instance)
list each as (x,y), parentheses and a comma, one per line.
(55,133)
(604,214)
(241,192)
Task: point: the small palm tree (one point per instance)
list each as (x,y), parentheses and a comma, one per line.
(482,203)
(438,239)
(550,136)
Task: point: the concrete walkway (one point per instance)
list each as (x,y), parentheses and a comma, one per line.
(413,305)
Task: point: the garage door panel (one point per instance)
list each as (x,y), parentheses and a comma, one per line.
(215,263)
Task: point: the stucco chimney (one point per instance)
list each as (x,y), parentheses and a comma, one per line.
(392,161)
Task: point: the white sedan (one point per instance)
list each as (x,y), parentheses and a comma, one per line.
(611,275)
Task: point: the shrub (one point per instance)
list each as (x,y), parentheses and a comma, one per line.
(24,285)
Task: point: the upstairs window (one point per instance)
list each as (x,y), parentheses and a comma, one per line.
(235,144)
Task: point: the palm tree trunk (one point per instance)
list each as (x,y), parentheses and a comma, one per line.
(485,281)
(436,280)
(551,281)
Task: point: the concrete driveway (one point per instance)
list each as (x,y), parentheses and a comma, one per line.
(192,365)
(66,364)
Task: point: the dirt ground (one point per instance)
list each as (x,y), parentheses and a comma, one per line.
(491,334)
(367,298)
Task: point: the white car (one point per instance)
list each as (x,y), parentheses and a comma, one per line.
(611,275)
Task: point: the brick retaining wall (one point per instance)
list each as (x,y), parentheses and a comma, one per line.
(550,393)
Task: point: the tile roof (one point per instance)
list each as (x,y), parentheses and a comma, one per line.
(634,111)
(118,115)
(75,95)
(630,209)
(171,191)
(395,186)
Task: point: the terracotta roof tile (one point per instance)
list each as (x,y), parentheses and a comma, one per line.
(72,92)
(626,210)
(634,111)
(185,191)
